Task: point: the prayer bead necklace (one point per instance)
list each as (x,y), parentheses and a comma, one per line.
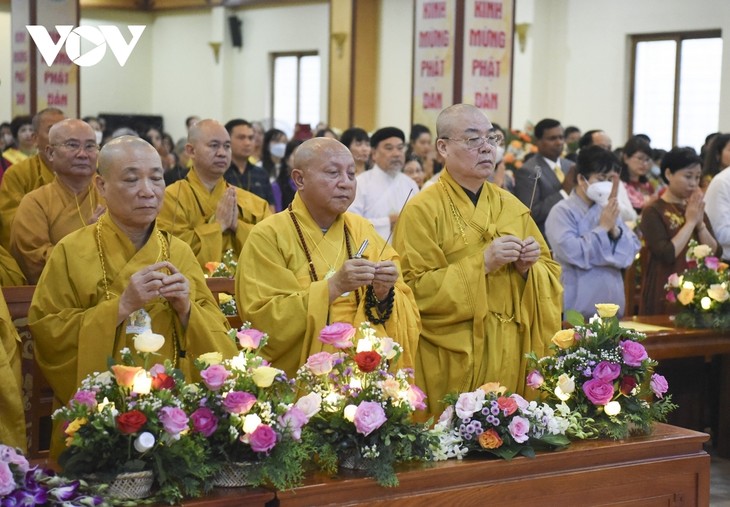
(460,222)
(331,271)
(91,205)
(312,271)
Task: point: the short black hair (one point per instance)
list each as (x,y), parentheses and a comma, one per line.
(586,139)
(354,134)
(237,122)
(416,130)
(18,122)
(543,125)
(679,158)
(594,159)
(570,130)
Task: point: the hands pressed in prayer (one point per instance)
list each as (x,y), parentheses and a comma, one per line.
(608,217)
(176,289)
(695,211)
(226,214)
(353,274)
(529,255)
(386,274)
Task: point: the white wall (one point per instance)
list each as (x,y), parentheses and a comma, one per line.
(5,63)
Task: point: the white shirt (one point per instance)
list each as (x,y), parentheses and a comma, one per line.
(379,195)
(717,208)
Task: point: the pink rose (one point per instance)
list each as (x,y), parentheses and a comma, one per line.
(239,402)
(508,406)
(87,398)
(339,335)
(293,420)
(320,363)
(633,352)
(534,379)
(468,403)
(712,262)
(673,280)
(204,421)
(658,385)
(10,455)
(369,416)
(249,338)
(7,481)
(598,392)
(519,428)
(416,398)
(671,297)
(606,371)
(157,369)
(214,376)
(174,420)
(263,438)
(522,403)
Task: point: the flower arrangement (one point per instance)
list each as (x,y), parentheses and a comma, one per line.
(224,269)
(517,146)
(21,484)
(227,304)
(131,419)
(604,375)
(702,290)
(506,425)
(364,418)
(246,411)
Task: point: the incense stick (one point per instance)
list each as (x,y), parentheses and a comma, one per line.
(393,228)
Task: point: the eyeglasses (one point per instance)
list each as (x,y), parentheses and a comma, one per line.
(75,146)
(473,143)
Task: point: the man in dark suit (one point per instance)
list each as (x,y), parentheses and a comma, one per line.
(545,179)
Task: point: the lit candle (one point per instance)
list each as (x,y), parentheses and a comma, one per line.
(142,383)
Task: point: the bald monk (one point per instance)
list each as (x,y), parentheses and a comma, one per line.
(204,210)
(12,417)
(64,205)
(298,271)
(486,287)
(28,174)
(116,278)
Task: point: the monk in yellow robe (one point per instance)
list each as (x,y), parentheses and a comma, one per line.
(107,282)
(28,174)
(10,273)
(299,270)
(12,417)
(203,209)
(68,203)
(486,286)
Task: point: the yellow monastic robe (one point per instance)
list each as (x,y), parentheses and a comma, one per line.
(189,209)
(74,324)
(10,273)
(12,418)
(275,293)
(14,155)
(17,181)
(476,327)
(44,217)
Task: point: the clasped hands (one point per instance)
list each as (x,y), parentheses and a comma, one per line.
(161,279)
(226,214)
(506,249)
(356,273)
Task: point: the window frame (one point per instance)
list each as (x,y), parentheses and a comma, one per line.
(299,55)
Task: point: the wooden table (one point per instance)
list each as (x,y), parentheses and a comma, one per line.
(682,343)
(668,467)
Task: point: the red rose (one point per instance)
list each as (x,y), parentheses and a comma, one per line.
(627,385)
(507,405)
(162,381)
(367,361)
(131,422)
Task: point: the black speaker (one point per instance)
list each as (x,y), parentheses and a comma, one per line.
(236,34)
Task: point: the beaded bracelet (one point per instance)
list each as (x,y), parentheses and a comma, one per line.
(371,301)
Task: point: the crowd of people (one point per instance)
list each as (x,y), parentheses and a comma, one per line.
(428,237)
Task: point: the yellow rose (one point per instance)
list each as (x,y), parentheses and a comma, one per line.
(211,358)
(564,338)
(606,310)
(72,428)
(148,341)
(493,387)
(264,376)
(565,387)
(718,292)
(701,251)
(686,295)
(224,298)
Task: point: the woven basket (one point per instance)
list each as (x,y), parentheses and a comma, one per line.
(131,485)
(233,475)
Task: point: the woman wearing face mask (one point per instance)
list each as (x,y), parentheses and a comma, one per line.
(25,142)
(274,146)
(668,224)
(588,237)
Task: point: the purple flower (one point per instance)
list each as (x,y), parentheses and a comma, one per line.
(338,334)
(518,428)
(157,369)
(598,392)
(239,402)
(7,481)
(10,455)
(606,371)
(633,352)
(535,379)
(263,438)
(249,338)
(293,420)
(712,263)
(204,421)
(173,419)
(87,398)
(214,376)
(369,416)
(66,492)
(416,397)
(658,385)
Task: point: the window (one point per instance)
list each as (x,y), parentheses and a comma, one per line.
(675,88)
(296,94)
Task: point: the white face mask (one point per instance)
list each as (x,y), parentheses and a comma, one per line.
(599,191)
(277,149)
(99,136)
(499,154)
(8,138)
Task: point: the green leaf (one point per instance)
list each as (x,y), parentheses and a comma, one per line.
(574,318)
